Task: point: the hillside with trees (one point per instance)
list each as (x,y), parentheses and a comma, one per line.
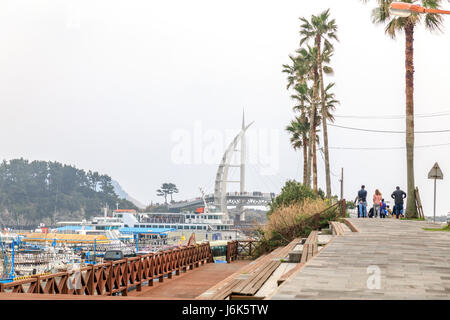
(40,191)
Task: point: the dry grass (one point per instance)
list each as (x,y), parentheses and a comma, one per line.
(285,218)
(297,220)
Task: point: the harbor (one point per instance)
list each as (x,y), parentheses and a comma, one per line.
(213,219)
(51,250)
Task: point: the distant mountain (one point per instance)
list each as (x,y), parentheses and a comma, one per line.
(123,195)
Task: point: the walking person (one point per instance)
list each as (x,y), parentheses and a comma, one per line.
(377,197)
(399,196)
(361,200)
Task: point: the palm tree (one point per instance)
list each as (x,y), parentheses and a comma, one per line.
(321,28)
(298,129)
(307,57)
(304,69)
(330,105)
(330,102)
(394,25)
(299,73)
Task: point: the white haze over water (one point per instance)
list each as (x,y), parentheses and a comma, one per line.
(103,85)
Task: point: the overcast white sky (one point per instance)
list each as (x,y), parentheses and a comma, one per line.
(105,85)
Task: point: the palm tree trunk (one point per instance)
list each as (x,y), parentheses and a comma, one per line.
(305,158)
(310,143)
(312,130)
(324,120)
(315,186)
(411,208)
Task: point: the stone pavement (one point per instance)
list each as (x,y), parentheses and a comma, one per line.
(411,263)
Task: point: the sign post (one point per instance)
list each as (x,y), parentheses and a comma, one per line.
(435,174)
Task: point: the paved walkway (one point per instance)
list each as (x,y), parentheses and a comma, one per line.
(412,264)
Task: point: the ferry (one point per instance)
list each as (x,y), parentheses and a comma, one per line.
(123,223)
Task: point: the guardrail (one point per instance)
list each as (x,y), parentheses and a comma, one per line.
(341,204)
(243,249)
(116,276)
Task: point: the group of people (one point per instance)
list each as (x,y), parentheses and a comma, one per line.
(380,208)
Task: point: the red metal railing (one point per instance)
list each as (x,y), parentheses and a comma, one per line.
(116,276)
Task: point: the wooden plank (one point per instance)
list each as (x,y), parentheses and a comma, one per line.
(252,276)
(350,225)
(222,289)
(289,273)
(224,292)
(256,282)
(335,228)
(419,203)
(341,228)
(238,297)
(304,253)
(256,286)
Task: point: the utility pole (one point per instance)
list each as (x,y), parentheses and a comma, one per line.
(342,183)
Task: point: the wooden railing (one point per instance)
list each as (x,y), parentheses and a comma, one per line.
(243,249)
(116,276)
(342,205)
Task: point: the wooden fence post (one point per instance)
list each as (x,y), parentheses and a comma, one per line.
(343,208)
(110,278)
(170,264)
(125,277)
(38,285)
(139,277)
(151,263)
(91,281)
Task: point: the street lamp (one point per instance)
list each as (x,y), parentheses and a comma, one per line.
(404,9)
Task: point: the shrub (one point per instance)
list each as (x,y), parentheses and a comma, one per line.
(296,220)
(292,193)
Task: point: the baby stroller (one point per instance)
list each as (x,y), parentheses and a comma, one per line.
(371,212)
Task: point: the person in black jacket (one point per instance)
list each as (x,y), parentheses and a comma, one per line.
(361,201)
(398,196)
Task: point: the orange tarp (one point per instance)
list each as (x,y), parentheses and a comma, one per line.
(69,238)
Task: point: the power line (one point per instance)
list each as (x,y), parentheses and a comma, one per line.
(390,148)
(396,117)
(323,158)
(386,131)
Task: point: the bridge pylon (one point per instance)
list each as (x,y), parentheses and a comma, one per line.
(220,189)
